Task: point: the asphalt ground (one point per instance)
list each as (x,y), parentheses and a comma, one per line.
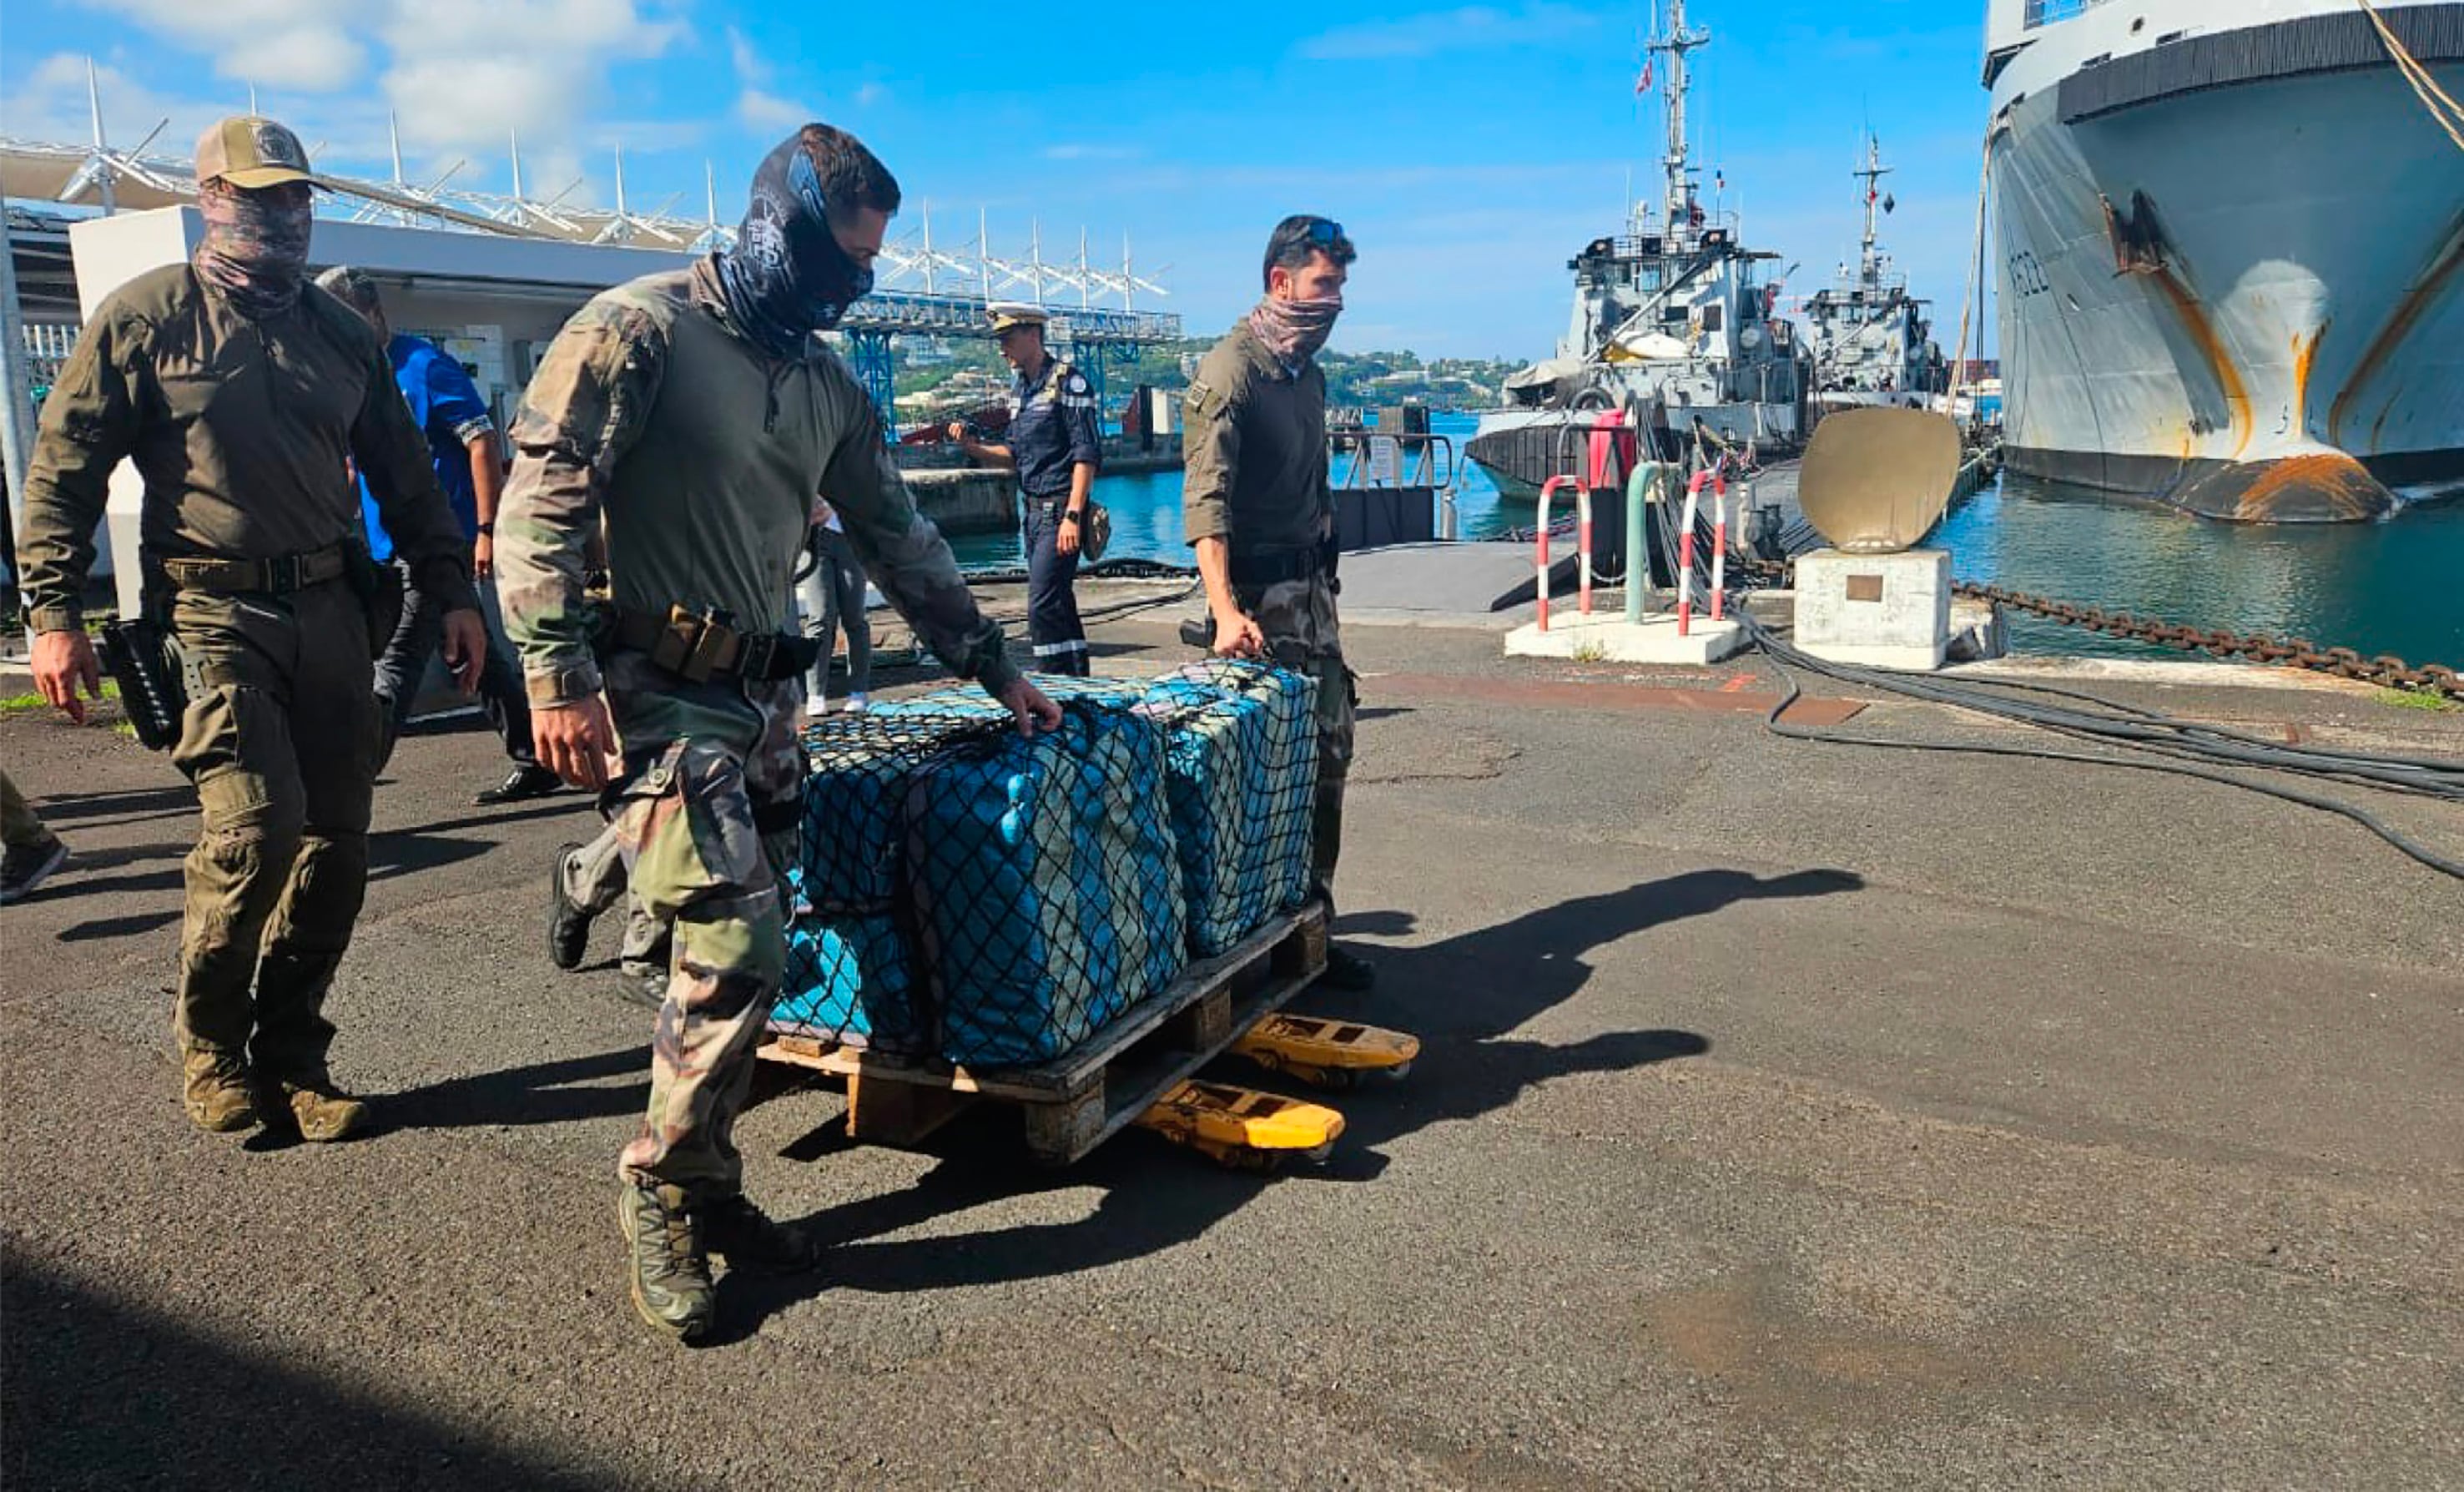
(1790,1115)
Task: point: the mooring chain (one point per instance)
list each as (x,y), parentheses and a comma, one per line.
(2297,652)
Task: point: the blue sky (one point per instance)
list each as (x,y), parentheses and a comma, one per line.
(1471,149)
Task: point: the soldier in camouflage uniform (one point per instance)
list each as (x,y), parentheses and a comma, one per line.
(697,410)
(1257,506)
(240,392)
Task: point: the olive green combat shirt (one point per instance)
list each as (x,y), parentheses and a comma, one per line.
(242,428)
(705,455)
(1253,437)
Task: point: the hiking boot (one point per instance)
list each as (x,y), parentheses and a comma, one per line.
(568,924)
(322,1112)
(219,1097)
(24,867)
(1347,971)
(519,784)
(669,1274)
(643,984)
(736,1230)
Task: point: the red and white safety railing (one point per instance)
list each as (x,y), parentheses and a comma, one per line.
(1611,446)
(1717,475)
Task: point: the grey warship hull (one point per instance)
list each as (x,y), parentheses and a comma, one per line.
(2232,259)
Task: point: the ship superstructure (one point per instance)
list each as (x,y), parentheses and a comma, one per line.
(1870,340)
(1670,320)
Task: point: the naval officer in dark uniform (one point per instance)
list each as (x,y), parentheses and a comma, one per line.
(1055,444)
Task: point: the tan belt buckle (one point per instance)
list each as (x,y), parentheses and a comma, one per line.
(713,649)
(675,645)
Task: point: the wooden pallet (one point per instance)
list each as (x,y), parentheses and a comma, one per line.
(1075,1103)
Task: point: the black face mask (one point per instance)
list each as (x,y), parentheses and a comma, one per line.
(787,277)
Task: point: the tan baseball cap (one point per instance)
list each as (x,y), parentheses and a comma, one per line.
(247,150)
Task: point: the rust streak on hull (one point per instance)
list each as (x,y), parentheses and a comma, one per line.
(2193,318)
(2399,326)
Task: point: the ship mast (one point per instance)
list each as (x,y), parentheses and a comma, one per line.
(1869,268)
(1678,42)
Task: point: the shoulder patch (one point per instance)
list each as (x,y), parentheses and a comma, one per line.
(1077,384)
(1202,401)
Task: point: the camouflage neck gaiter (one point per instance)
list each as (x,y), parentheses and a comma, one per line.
(255,247)
(1294,330)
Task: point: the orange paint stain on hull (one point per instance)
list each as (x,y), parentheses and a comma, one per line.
(2305,352)
(2329,479)
(2408,313)
(2193,318)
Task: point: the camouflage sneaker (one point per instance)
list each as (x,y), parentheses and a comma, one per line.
(322,1112)
(670,1275)
(218,1095)
(736,1230)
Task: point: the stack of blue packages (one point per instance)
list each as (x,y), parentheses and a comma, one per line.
(1241,757)
(1044,885)
(850,974)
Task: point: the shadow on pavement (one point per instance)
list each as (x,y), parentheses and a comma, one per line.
(104,1395)
(547,1092)
(1460,995)
(139,802)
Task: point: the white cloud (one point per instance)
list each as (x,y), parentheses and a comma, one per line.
(750,65)
(314,58)
(466,72)
(1090,152)
(867,94)
(49,105)
(1540,23)
(305,44)
(768,111)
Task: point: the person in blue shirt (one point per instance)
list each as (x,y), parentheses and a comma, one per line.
(468,456)
(1055,442)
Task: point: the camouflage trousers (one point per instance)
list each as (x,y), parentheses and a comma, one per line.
(1304,634)
(19,824)
(706,819)
(281,744)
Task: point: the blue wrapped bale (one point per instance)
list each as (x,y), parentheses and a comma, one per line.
(1240,758)
(852,976)
(1044,884)
(849,981)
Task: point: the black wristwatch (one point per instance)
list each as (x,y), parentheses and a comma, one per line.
(1066,516)
(487,531)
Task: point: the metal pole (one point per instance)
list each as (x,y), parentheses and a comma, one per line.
(1647,477)
(17,397)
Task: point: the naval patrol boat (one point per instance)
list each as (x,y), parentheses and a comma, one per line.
(2230,250)
(1870,340)
(1671,323)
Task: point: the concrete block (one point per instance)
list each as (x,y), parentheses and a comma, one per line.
(1611,638)
(1882,611)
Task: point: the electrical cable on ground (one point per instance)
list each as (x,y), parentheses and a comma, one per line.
(2188,754)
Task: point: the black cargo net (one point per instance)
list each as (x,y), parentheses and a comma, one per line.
(970,895)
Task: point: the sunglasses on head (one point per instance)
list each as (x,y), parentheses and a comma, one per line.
(1325,233)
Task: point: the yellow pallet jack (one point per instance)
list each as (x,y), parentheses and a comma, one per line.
(1242,1127)
(1327,1054)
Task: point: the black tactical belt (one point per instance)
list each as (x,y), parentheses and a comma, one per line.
(1274,566)
(700,645)
(280,576)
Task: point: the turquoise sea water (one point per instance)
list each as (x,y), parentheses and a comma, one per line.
(2395,586)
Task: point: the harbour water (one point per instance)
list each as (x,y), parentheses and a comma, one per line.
(2383,587)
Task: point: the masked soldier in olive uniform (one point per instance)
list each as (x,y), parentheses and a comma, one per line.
(241,392)
(1257,506)
(696,409)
